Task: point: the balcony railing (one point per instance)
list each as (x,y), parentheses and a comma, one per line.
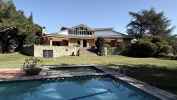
(80,35)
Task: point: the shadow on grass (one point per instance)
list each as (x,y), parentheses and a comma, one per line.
(93,50)
(161,77)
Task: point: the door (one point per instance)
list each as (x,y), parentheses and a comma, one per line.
(84,43)
(48,53)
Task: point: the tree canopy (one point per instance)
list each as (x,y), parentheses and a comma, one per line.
(26,31)
(149,22)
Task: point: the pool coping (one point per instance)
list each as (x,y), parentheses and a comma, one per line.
(159,93)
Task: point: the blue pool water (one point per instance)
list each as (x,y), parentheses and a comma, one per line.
(72,89)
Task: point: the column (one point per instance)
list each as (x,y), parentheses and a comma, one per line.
(81,43)
(88,44)
(51,43)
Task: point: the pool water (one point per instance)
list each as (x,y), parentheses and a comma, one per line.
(100,88)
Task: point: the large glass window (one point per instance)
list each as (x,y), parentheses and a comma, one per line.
(82,31)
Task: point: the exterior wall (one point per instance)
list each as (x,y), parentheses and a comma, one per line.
(73,42)
(91,42)
(58,51)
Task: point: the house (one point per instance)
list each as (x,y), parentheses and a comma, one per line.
(84,37)
(68,41)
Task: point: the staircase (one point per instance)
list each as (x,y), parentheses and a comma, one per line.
(86,52)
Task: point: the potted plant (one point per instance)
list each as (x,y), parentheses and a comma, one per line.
(31,67)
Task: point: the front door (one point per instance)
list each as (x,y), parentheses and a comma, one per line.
(84,43)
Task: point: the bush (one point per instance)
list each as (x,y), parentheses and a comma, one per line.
(151,46)
(100,46)
(166,49)
(173,43)
(31,67)
(141,49)
(163,48)
(115,50)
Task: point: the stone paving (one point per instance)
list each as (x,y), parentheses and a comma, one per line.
(10,73)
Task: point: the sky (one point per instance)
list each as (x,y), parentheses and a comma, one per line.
(53,14)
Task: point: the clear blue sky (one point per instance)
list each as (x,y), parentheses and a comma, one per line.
(95,13)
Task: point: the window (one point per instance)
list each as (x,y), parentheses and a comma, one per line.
(48,53)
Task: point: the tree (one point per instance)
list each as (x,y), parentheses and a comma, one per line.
(9,39)
(149,22)
(27,33)
(31,18)
(100,46)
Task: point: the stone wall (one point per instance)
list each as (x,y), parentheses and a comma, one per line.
(58,51)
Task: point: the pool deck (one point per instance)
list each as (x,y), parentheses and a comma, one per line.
(10,73)
(18,74)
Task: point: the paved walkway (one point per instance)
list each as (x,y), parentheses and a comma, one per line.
(10,73)
(86,52)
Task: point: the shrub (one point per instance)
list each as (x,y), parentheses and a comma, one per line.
(141,49)
(100,46)
(173,42)
(156,39)
(166,49)
(151,46)
(31,67)
(116,50)
(163,48)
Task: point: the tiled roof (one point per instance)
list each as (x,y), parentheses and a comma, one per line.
(102,29)
(100,32)
(108,32)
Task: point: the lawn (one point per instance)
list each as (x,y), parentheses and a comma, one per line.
(16,60)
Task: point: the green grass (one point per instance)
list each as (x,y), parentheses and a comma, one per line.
(16,60)
(107,60)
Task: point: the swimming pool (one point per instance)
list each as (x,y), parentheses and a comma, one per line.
(76,88)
